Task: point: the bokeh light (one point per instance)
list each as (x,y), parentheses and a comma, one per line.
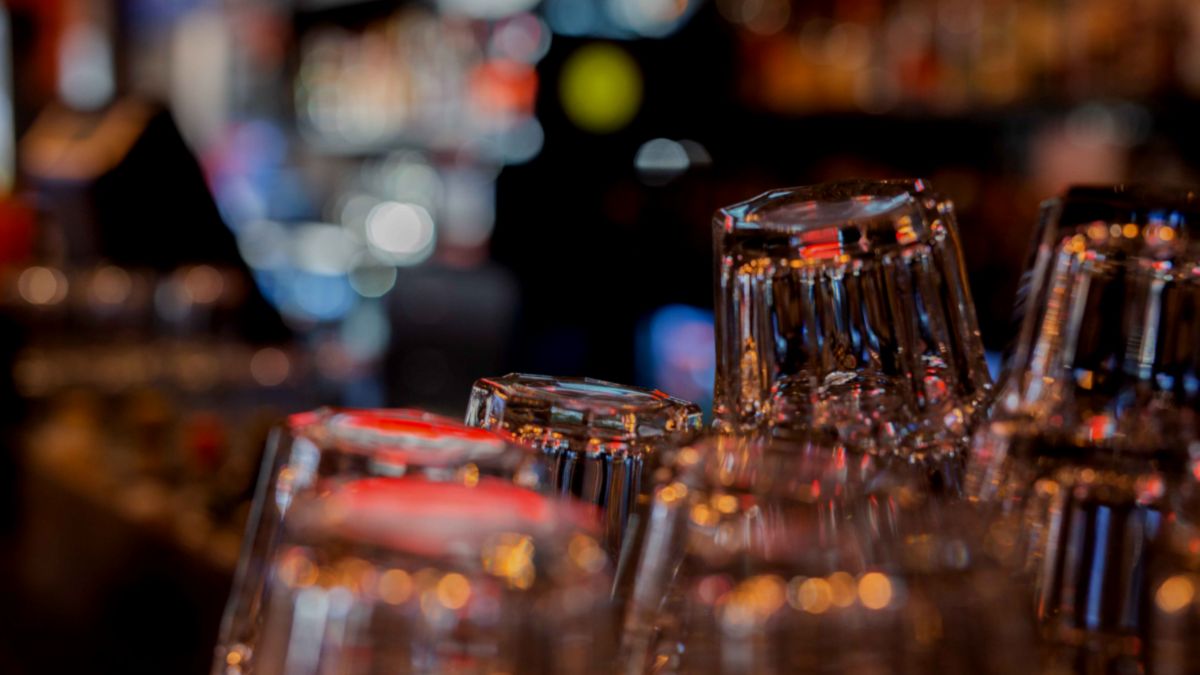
(601,88)
(401,233)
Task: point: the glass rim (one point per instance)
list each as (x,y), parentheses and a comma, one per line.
(844,217)
(586,394)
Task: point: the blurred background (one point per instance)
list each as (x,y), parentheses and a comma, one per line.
(216,212)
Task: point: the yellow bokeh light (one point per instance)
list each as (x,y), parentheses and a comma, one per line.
(874,590)
(511,558)
(672,492)
(842,585)
(600,88)
(453,591)
(704,516)
(586,553)
(1175,593)
(395,586)
(812,595)
(725,503)
(470,475)
(1166,234)
(1130,230)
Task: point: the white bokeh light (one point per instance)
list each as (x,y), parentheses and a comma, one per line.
(401,233)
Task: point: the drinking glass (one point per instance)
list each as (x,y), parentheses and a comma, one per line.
(765,557)
(1093,423)
(465,575)
(316,451)
(845,306)
(601,442)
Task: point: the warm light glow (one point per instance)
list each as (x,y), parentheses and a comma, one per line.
(704,516)
(510,557)
(811,595)
(111,285)
(725,503)
(672,493)
(586,553)
(270,366)
(469,475)
(42,286)
(842,585)
(395,586)
(296,570)
(1175,593)
(203,284)
(874,590)
(1130,230)
(453,591)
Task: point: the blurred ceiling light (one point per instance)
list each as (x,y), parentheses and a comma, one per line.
(572,17)
(325,249)
(652,18)
(85,67)
(111,285)
(601,88)
(401,233)
(661,160)
(264,244)
(42,286)
(371,277)
(203,284)
(270,366)
(524,38)
(485,9)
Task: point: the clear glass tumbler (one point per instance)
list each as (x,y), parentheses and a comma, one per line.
(767,558)
(316,451)
(845,306)
(601,442)
(1089,442)
(468,575)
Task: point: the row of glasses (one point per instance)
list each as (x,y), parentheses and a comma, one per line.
(819,530)
(531,517)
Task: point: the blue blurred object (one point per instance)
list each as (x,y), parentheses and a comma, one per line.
(676,353)
(995,360)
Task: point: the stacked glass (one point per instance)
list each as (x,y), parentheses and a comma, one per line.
(844,307)
(603,443)
(1090,450)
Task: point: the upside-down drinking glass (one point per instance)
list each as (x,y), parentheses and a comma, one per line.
(424,575)
(601,442)
(769,558)
(845,306)
(319,450)
(1090,439)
